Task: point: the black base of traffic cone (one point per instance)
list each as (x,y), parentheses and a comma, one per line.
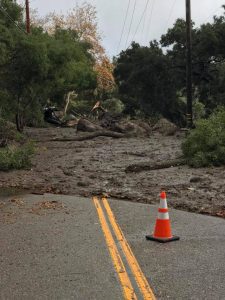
(152,238)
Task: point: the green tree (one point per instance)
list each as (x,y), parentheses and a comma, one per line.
(8,35)
(71,65)
(145,75)
(26,73)
(38,67)
(208,59)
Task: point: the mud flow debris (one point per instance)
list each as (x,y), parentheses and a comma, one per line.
(97,166)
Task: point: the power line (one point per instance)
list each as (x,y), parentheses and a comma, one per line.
(170,14)
(216,10)
(131,22)
(124,23)
(143,28)
(144,23)
(150,16)
(11,19)
(142,16)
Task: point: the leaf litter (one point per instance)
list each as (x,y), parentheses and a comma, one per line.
(42,206)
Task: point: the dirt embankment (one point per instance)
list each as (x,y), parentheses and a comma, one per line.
(98,166)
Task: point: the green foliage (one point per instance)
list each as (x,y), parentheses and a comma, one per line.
(198,110)
(145,75)
(208,60)
(205,146)
(114,105)
(71,66)
(6,129)
(14,157)
(34,116)
(39,67)
(150,79)
(81,107)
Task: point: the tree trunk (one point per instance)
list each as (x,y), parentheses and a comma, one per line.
(19,122)
(136,168)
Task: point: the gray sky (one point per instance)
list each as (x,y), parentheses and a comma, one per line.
(160,14)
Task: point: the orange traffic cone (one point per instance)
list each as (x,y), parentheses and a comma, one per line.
(162,232)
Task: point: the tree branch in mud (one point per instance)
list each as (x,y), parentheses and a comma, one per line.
(85,137)
(156,166)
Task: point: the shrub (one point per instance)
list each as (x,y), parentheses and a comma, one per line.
(81,107)
(13,157)
(7,129)
(114,105)
(198,110)
(35,117)
(205,145)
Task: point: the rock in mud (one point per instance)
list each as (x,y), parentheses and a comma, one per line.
(195,179)
(87,126)
(83,183)
(165,127)
(131,128)
(144,125)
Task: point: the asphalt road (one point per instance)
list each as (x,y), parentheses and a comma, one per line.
(192,268)
(63,253)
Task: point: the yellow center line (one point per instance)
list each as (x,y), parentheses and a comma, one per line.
(128,290)
(138,274)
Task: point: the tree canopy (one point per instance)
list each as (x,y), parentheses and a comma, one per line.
(64,54)
(83,20)
(38,67)
(153,79)
(145,74)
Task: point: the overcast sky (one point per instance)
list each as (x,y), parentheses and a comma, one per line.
(159,15)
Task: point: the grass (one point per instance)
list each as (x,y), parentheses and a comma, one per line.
(16,157)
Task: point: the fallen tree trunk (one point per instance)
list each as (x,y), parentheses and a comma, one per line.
(85,137)
(136,168)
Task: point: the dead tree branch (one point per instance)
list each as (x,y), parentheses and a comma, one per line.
(136,168)
(85,137)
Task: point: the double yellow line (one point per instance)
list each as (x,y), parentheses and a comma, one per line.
(128,290)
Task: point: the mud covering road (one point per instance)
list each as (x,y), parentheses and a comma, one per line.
(97,166)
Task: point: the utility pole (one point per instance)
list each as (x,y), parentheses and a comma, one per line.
(189,116)
(27,17)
